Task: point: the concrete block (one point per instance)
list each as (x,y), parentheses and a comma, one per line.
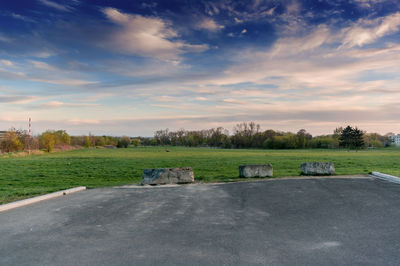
(317,168)
(160,176)
(390,178)
(259,170)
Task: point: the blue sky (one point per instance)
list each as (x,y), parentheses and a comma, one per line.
(133,67)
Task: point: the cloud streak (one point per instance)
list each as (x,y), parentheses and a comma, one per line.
(58,104)
(17,99)
(368,31)
(55,5)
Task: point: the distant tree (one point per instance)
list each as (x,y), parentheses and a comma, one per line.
(61,137)
(285,141)
(226,141)
(303,139)
(190,140)
(352,138)
(290,141)
(47,140)
(136,142)
(145,141)
(111,140)
(357,138)
(11,141)
(88,142)
(153,142)
(345,137)
(100,141)
(123,142)
(268,143)
(269,134)
(374,140)
(258,140)
(278,142)
(324,142)
(375,144)
(217,137)
(388,139)
(337,132)
(244,133)
(173,137)
(162,137)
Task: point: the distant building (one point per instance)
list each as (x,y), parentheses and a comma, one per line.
(396,139)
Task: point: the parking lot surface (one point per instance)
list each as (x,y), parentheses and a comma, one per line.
(327,221)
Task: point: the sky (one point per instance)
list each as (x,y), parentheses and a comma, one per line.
(133,67)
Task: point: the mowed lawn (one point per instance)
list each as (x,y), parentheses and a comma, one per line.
(21,177)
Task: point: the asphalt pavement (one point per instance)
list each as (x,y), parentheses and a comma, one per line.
(327,221)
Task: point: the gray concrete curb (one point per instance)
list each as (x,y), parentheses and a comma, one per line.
(25,202)
(386,177)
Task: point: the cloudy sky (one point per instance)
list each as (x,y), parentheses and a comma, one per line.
(132,67)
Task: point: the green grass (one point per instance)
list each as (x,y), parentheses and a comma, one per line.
(21,177)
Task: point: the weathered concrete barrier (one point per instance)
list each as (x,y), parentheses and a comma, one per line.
(260,170)
(390,178)
(317,168)
(160,176)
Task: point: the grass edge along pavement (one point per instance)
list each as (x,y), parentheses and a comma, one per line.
(28,201)
(22,177)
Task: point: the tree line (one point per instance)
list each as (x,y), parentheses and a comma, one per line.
(245,135)
(19,140)
(250,135)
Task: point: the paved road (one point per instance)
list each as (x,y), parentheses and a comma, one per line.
(281,222)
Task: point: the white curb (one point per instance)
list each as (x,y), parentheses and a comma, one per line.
(24,202)
(386,177)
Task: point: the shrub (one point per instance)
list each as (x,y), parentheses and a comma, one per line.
(123,142)
(136,142)
(50,138)
(100,141)
(11,142)
(47,140)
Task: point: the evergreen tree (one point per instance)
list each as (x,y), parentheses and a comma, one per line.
(351,138)
(357,138)
(346,136)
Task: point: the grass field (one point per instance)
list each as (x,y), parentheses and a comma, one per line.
(21,177)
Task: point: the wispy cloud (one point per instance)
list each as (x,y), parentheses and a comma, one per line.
(58,104)
(23,18)
(312,60)
(42,65)
(67,82)
(5,39)
(78,122)
(209,24)
(6,62)
(58,77)
(289,46)
(55,5)
(369,3)
(368,31)
(147,36)
(18,99)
